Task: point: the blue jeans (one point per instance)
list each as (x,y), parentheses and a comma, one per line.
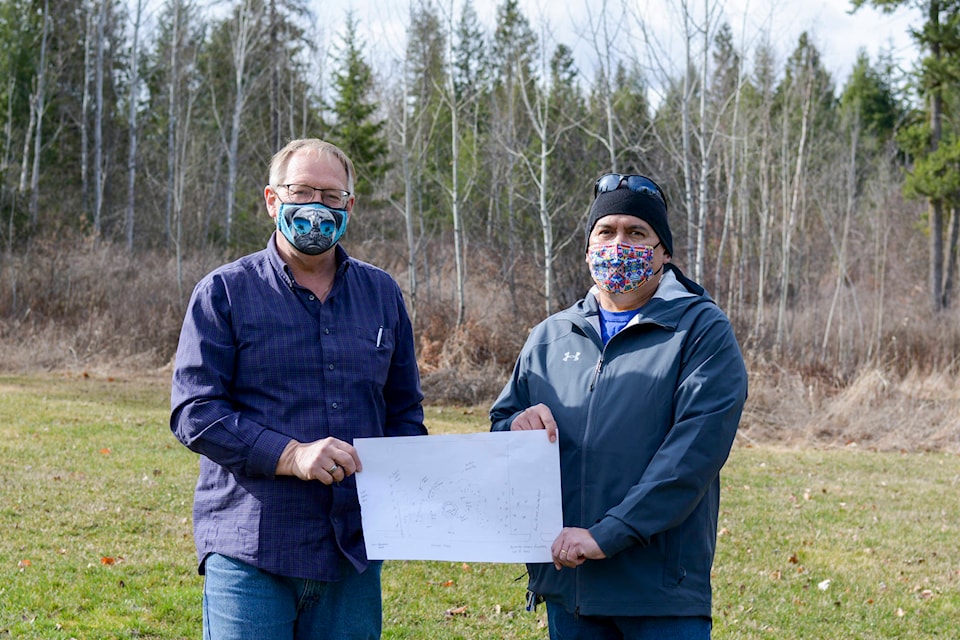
(566,626)
(241,602)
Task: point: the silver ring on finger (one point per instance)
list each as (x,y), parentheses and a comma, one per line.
(332,470)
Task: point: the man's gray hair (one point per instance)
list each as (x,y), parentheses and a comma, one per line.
(278,165)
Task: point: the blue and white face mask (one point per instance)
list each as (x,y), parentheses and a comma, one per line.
(312,228)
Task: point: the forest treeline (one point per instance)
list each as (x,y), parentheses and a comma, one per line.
(136,138)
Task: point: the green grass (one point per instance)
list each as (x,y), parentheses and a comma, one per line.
(95,535)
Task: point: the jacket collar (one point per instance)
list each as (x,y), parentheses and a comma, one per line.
(674,295)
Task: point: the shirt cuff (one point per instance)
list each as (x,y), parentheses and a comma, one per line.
(265,453)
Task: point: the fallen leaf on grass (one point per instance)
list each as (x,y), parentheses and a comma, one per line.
(823,586)
(794,559)
(446,583)
(108,560)
(900,612)
(23,563)
(456,611)
(105,451)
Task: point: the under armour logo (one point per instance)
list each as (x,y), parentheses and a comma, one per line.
(571,356)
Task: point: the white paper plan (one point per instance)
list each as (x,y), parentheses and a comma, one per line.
(477,497)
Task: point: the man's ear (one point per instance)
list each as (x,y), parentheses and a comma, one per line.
(271,200)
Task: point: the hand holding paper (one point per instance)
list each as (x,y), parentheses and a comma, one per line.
(479,497)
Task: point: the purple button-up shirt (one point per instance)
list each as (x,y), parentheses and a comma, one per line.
(262,361)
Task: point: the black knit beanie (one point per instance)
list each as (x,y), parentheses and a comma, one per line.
(645,206)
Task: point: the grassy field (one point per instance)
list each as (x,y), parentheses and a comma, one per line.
(95,536)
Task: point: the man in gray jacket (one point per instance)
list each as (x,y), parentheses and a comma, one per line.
(642,383)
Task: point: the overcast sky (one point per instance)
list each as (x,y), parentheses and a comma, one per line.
(836,34)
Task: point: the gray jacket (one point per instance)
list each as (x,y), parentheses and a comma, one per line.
(644,424)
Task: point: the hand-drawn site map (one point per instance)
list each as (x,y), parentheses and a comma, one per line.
(478,497)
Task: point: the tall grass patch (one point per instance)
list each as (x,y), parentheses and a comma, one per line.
(95,501)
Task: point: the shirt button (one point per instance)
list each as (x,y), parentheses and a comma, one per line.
(326,332)
(313,297)
(334,405)
(330,366)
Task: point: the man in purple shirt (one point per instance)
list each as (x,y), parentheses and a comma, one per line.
(286,356)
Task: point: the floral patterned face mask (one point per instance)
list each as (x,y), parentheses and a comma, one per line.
(621,268)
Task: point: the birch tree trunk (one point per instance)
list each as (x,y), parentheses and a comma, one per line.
(538,112)
(248,33)
(132,125)
(99,176)
(454,190)
(686,153)
(408,203)
(455,196)
(602,41)
(790,214)
(841,252)
(705,141)
(173,104)
(765,216)
(41,107)
(936,206)
(949,277)
(732,183)
(85,115)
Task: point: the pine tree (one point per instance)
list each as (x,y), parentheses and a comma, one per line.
(356,128)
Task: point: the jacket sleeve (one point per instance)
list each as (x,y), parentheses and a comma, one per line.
(514,397)
(708,401)
(203,416)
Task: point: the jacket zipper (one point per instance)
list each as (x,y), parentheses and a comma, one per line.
(596,374)
(583,473)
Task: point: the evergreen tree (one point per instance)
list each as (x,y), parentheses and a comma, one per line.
(356,128)
(869,95)
(939,74)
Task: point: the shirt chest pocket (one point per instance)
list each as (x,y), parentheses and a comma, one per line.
(372,352)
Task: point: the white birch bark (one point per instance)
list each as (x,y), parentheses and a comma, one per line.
(132,126)
(41,107)
(248,35)
(790,212)
(99,175)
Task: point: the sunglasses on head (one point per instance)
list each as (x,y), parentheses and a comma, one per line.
(636,183)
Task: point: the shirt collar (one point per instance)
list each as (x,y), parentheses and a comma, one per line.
(282,268)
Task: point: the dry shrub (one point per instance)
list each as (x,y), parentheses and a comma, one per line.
(469,364)
(879,409)
(887,411)
(778,400)
(96,306)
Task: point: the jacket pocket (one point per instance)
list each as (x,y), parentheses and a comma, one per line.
(673,571)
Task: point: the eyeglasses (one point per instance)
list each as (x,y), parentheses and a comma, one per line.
(305,194)
(636,183)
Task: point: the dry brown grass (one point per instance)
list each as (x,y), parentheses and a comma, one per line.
(879,410)
(102,311)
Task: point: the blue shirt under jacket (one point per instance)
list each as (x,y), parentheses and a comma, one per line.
(262,361)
